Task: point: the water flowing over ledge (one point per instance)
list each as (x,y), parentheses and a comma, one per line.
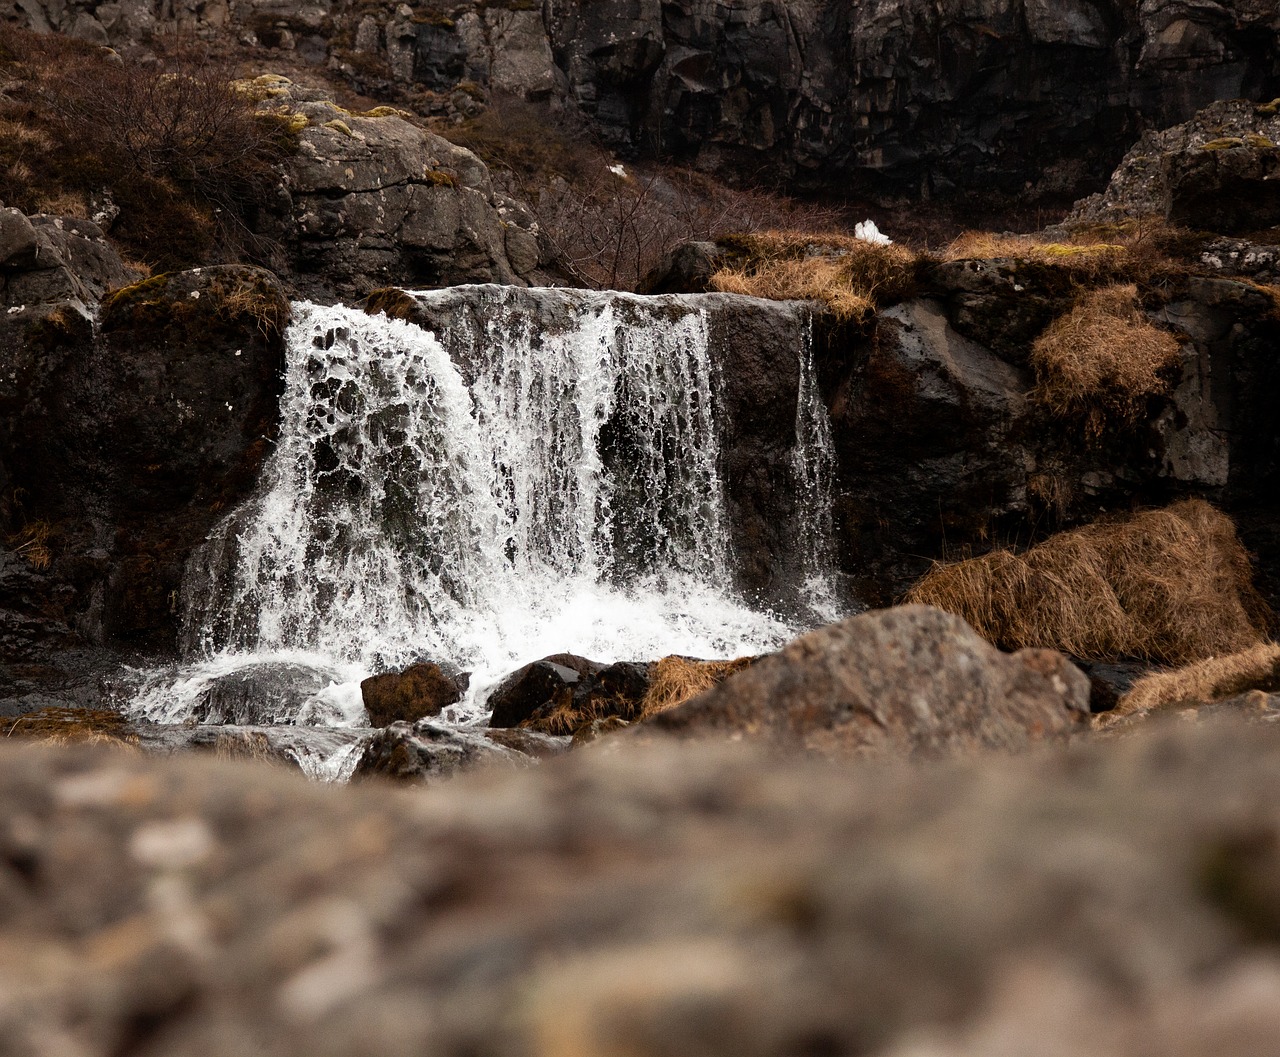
(528,472)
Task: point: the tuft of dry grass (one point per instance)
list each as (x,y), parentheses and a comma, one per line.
(62,726)
(1101,361)
(1203,683)
(32,542)
(811,279)
(851,277)
(1171,585)
(674,680)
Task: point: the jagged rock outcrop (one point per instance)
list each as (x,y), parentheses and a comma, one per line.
(371,200)
(894,94)
(1218,172)
(652,902)
(942,448)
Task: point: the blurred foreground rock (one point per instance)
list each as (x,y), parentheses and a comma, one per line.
(1120,898)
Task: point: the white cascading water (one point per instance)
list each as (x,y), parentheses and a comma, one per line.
(554,490)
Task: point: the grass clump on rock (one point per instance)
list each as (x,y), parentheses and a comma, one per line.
(1204,682)
(1171,585)
(1101,361)
(675,680)
(848,275)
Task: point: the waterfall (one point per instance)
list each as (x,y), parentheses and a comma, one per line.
(521,481)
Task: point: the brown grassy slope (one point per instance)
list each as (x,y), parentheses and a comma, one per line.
(1101,361)
(1171,585)
(1213,679)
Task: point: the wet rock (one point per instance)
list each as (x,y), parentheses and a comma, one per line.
(260,694)
(661,900)
(911,680)
(128,443)
(426,752)
(421,690)
(321,753)
(549,683)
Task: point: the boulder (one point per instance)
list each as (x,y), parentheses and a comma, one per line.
(1212,172)
(374,199)
(418,691)
(911,681)
(672,900)
(427,752)
(549,683)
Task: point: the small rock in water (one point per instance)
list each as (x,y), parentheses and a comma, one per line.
(557,698)
(427,752)
(550,681)
(419,691)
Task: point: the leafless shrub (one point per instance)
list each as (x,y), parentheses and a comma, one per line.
(187,158)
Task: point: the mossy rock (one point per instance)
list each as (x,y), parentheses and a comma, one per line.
(394,303)
(226,299)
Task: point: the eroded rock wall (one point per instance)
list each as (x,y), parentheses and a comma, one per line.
(901,95)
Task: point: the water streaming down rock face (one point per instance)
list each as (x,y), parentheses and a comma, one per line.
(539,471)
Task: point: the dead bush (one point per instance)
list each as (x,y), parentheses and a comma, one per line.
(610,224)
(183,154)
(674,680)
(1101,361)
(1203,683)
(1171,585)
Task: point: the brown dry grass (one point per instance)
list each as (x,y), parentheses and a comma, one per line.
(62,726)
(1202,683)
(851,277)
(32,542)
(1147,251)
(1171,585)
(1101,361)
(674,680)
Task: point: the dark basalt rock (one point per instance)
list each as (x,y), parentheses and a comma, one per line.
(420,690)
(550,682)
(121,446)
(427,752)
(915,96)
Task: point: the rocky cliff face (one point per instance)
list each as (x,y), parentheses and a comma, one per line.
(902,95)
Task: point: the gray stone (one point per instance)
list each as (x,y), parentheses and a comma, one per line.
(910,681)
